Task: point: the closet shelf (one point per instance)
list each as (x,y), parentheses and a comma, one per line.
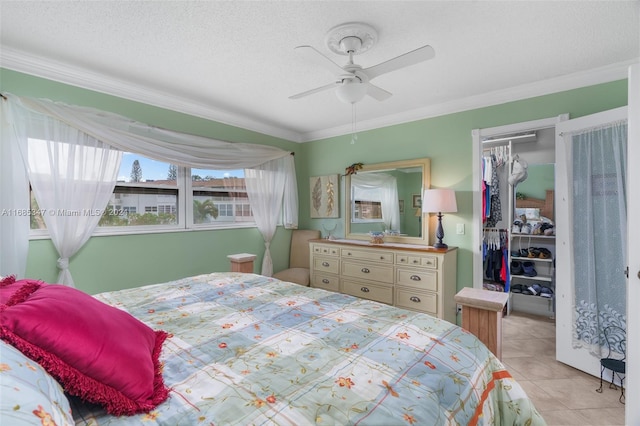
(532,259)
(536,278)
(536,236)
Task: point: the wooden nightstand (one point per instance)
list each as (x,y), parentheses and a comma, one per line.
(242,262)
(482,315)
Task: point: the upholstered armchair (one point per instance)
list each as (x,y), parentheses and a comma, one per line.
(298,271)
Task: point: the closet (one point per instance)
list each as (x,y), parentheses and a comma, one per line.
(517,240)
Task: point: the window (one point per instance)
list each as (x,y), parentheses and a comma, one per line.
(219,197)
(153,195)
(143,185)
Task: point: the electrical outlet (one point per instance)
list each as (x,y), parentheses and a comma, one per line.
(458,308)
(460,229)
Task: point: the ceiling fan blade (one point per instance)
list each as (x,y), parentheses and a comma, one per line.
(316,90)
(378,93)
(313,55)
(421,54)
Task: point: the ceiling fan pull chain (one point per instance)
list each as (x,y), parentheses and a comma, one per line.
(354,135)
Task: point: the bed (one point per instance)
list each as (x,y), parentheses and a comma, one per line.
(244,349)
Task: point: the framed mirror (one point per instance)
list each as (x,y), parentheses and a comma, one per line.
(387,197)
(534,196)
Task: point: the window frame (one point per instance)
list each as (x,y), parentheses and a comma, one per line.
(184,207)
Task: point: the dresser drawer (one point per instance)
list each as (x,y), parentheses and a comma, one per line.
(417,300)
(325,250)
(326,264)
(418,278)
(373,255)
(327,282)
(382,273)
(377,292)
(414,260)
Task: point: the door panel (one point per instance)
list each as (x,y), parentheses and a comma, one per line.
(565,269)
(632,382)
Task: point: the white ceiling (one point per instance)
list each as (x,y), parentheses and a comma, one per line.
(234,61)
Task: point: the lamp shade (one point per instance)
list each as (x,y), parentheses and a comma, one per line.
(439,201)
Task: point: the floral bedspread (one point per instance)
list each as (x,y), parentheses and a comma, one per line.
(250,350)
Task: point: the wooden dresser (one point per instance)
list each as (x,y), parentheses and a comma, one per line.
(409,276)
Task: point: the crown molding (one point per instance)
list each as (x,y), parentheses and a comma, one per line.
(608,73)
(63,73)
(57,71)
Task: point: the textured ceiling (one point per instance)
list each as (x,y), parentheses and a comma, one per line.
(235,62)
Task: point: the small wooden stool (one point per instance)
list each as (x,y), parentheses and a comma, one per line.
(242,262)
(482,315)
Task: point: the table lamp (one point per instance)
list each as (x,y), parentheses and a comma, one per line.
(439,201)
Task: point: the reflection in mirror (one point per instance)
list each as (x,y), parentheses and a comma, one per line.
(385,197)
(535,194)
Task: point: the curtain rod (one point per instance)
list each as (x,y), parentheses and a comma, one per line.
(515,138)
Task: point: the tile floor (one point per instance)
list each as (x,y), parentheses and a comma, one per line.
(562,394)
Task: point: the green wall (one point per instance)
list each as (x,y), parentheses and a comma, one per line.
(447,141)
(108,263)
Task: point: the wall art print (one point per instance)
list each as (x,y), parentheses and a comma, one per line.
(324,196)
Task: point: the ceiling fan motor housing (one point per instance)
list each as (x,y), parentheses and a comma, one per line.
(351,38)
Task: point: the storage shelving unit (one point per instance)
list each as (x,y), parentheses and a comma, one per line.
(536,305)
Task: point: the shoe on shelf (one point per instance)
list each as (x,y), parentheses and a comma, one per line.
(517,288)
(546,292)
(529,269)
(517,227)
(516,267)
(544,253)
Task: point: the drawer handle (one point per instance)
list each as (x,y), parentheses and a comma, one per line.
(365,270)
(349,254)
(415,277)
(381,257)
(325,281)
(364,289)
(325,263)
(416,261)
(415,299)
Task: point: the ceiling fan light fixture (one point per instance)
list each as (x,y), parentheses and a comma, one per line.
(351,92)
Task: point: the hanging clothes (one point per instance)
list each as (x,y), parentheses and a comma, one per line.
(495,214)
(495,259)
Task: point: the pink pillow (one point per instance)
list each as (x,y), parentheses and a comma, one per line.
(97,352)
(9,286)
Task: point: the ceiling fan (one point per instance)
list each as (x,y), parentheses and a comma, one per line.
(352,81)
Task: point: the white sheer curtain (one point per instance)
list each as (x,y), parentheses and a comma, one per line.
(72,176)
(169,146)
(116,132)
(265,189)
(14,202)
(160,144)
(379,187)
(598,243)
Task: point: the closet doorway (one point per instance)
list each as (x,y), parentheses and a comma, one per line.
(510,217)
